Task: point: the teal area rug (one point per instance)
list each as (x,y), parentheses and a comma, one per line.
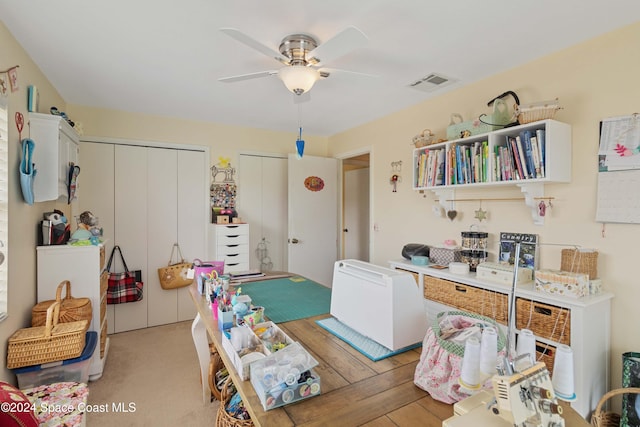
(289,298)
(364,345)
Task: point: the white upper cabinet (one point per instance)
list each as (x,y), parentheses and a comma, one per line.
(56,146)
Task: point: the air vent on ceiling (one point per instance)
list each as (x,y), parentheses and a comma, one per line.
(432,82)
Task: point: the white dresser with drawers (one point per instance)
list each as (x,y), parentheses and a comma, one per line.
(229,243)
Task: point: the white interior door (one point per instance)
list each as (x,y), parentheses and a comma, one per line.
(313,217)
(356,214)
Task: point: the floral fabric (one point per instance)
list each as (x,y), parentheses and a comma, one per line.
(59,404)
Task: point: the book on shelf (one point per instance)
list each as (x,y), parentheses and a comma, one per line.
(528,249)
(521,156)
(540,134)
(528,153)
(516,156)
(536,157)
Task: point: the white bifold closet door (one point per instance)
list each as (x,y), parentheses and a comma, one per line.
(262,202)
(147,198)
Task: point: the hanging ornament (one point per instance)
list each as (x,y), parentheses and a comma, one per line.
(480,214)
(299,145)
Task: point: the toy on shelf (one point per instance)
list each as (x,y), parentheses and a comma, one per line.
(88,232)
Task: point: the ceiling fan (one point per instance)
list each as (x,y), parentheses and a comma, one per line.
(303,57)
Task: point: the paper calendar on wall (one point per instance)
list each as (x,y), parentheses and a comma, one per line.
(618,197)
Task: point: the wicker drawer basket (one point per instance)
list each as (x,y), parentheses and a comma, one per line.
(104,283)
(415,275)
(546,321)
(50,343)
(103,339)
(491,304)
(546,353)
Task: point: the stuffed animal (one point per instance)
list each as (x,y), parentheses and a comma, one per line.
(88,228)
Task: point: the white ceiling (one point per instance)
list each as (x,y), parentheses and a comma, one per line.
(164,57)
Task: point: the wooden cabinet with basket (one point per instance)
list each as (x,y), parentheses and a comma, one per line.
(583,323)
(78,269)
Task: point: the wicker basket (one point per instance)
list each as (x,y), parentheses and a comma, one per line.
(50,343)
(537,111)
(423,139)
(544,320)
(580,261)
(223,419)
(71,309)
(546,353)
(468,298)
(602,418)
(215,364)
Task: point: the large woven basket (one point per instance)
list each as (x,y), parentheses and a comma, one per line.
(580,261)
(71,309)
(50,343)
(602,418)
(223,418)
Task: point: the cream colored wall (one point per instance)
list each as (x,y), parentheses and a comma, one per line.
(23,218)
(222,140)
(593,80)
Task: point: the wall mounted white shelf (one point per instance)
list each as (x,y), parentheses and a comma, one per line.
(503,157)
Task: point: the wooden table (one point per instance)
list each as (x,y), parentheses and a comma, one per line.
(355,391)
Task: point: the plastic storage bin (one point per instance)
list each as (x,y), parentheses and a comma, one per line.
(74,370)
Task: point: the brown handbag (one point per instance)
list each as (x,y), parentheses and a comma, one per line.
(71,309)
(175,276)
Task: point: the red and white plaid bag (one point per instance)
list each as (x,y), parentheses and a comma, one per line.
(123,287)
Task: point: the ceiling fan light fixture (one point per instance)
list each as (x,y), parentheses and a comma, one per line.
(298,78)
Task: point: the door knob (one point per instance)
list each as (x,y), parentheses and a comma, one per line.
(346,230)
(294,240)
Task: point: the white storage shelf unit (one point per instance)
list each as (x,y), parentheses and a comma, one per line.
(556,161)
(590,325)
(83,267)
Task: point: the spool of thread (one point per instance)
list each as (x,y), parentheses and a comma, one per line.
(470,374)
(562,378)
(526,344)
(489,351)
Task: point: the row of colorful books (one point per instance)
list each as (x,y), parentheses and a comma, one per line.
(521,157)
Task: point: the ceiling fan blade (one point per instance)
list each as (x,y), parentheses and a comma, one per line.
(254,44)
(342,43)
(324,71)
(247,76)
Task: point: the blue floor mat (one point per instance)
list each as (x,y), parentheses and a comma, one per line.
(364,345)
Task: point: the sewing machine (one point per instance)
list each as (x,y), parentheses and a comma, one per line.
(524,398)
